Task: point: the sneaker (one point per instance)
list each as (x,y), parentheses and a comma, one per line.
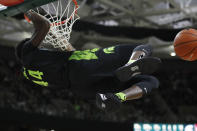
(108,102)
(145,65)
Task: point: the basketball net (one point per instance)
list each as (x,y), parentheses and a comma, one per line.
(61,14)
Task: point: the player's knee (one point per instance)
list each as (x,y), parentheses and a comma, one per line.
(147,49)
(154,82)
(147,83)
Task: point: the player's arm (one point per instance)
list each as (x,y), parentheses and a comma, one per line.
(69,46)
(41,25)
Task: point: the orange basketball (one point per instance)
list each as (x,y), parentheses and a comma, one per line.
(185,44)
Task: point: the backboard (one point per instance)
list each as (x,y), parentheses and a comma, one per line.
(22,7)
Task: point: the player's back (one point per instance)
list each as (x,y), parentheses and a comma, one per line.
(43,67)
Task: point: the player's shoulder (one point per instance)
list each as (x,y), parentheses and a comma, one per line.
(20,46)
(25,47)
(22,43)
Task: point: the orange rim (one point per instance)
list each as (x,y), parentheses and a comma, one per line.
(62,22)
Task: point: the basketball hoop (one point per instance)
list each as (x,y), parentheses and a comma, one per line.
(61,14)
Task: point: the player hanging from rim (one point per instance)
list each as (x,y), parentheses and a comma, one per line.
(89,73)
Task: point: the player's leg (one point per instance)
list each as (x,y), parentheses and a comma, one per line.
(140,62)
(90,68)
(143,86)
(101,61)
(140,52)
(117,56)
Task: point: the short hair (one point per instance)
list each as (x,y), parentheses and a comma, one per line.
(19,48)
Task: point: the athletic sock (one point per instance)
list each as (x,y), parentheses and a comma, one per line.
(147,49)
(121,96)
(130,62)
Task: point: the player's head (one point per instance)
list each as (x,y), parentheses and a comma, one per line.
(19,48)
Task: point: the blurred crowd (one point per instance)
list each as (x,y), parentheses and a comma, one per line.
(174,101)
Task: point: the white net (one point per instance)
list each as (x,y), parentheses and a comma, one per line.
(62,14)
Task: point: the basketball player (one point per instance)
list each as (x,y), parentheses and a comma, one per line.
(89,73)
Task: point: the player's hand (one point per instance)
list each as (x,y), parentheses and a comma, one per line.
(37,19)
(31,15)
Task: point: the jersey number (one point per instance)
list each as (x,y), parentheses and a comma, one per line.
(36,74)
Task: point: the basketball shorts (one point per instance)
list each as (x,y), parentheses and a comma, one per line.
(92,71)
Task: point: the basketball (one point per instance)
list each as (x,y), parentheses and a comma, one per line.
(185,44)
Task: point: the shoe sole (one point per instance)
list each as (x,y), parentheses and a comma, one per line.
(146,65)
